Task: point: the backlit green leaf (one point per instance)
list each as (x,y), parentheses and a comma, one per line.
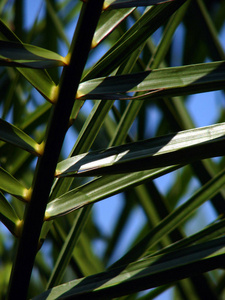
(112,4)
(8,215)
(174,219)
(178,148)
(11,134)
(108,22)
(147,273)
(16,54)
(99,189)
(157,83)
(148,23)
(40,79)
(11,185)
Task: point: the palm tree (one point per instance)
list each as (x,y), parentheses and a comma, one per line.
(101,95)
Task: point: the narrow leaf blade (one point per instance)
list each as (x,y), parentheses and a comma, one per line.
(25,55)
(99,189)
(11,185)
(12,134)
(108,21)
(8,216)
(112,4)
(156,83)
(144,274)
(39,78)
(178,148)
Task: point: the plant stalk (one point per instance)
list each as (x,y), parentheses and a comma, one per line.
(57,128)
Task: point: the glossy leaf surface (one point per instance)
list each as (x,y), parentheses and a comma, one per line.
(25,55)
(11,134)
(154,84)
(168,150)
(112,4)
(8,215)
(136,276)
(11,185)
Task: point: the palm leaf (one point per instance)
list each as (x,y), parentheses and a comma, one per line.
(187,146)
(38,78)
(157,83)
(9,217)
(112,4)
(11,185)
(137,276)
(25,55)
(17,137)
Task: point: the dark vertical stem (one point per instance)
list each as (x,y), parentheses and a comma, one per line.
(19,18)
(57,128)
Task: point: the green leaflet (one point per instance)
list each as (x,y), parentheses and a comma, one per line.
(146,273)
(40,79)
(148,23)
(178,148)
(99,189)
(8,215)
(108,21)
(174,219)
(112,4)
(214,230)
(167,225)
(11,134)
(11,185)
(157,83)
(14,54)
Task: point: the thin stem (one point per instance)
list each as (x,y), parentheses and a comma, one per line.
(57,129)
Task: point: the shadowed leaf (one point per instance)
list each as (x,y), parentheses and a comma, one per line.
(178,148)
(11,185)
(99,189)
(8,215)
(14,54)
(11,134)
(112,4)
(40,79)
(147,273)
(172,81)
(108,22)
